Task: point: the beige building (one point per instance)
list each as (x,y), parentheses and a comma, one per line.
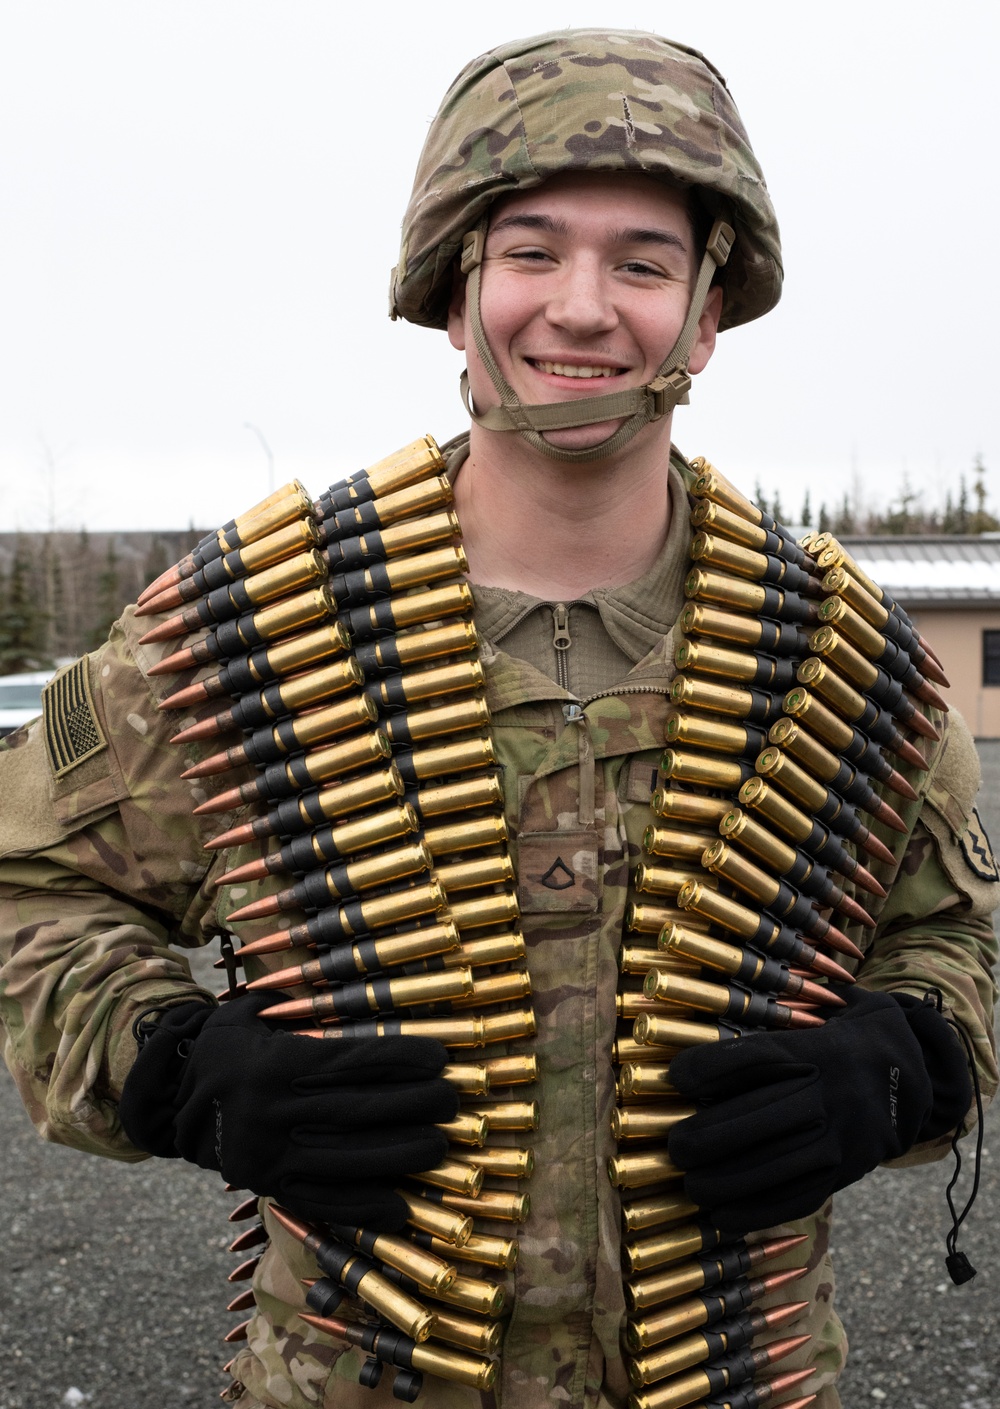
(950,586)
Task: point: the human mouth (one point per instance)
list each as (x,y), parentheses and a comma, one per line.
(569,369)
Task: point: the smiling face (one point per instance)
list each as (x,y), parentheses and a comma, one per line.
(586,283)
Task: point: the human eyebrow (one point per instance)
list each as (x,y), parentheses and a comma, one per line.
(530,222)
(636,235)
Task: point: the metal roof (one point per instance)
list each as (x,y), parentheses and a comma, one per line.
(925,570)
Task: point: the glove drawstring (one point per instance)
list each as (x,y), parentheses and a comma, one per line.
(960,1269)
(143,1028)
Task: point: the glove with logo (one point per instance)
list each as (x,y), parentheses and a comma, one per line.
(790,1117)
(326,1127)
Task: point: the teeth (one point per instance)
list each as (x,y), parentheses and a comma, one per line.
(566,369)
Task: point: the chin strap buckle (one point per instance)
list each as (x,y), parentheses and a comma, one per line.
(669,391)
(473,242)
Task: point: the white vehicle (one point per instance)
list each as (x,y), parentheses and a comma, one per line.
(21,698)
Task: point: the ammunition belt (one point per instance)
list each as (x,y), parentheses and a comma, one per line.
(340,641)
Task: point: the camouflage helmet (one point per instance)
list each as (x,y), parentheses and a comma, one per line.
(584,100)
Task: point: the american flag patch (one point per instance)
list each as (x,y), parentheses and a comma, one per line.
(72,732)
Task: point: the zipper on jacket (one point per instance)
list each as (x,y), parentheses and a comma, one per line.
(561,642)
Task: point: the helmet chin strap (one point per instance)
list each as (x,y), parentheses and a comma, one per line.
(638,405)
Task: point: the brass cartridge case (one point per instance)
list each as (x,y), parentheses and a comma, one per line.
(633,959)
(495,988)
(700,620)
(282,578)
(375,829)
(424,568)
(483,1248)
(641,1167)
(461,796)
(439,760)
(625,1050)
(726,861)
(673,1032)
(719,909)
(417,944)
(710,550)
(428,643)
(282,543)
(414,462)
(411,535)
(474,1294)
(631,1003)
(293,613)
(421,724)
(705,732)
(735,667)
(659,880)
(835,611)
(318,725)
(673,1245)
(394,1304)
(724,591)
(455,1365)
(776,855)
(650,919)
(646,1078)
(456,1177)
(465,835)
(835,555)
(832,688)
(699,769)
(868,606)
(420,498)
(427,1270)
(446,1224)
(647,1122)
(666,1361)
(715,518)
(702,949)
(476,873)
(834,731)
(513,1071)
(775,807)
(508,1207)
(674,844)
(688,992)
(712,485)
(676,806)
(286,504)
(451,679)
(453,1329)
(508,1115)
(501,1162)
(380,911)
(795,739)
(772,763)
(471,1078)
(829,645)
(656,1211)
(414,608)
(466,1128)
(386,867)
(303,691)
(286,657)
(346,756)
(507,1027)
(491,949)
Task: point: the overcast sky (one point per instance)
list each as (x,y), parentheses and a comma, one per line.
(200,204)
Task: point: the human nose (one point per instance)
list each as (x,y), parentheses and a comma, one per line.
(580,302)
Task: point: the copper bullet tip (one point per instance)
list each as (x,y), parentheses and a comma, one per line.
(775,1280)
(166,579)
(164,601)
(217,763)
(863,877)
(294,1008)
(920,724)
(268,944)
(857,912)
(291,1224)
(777,1350)
(876,848)
(929,695)
(818,994)
(799,1018)
(222,802)
(889,816)
(276,980)
(836,939)
(190,695)
(236,836)
(243,1302)
(173,626)
(203,729)
(781,1315)
(250,871)
(931,667)
(238,1333)
(269,905)
(173,665)
(901,787)
(823,964)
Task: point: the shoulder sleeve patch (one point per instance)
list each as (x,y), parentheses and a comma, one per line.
(976,849)
(72,729)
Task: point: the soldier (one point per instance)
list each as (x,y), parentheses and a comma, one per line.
(564,228)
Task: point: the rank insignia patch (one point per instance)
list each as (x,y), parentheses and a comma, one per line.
(72,732)
(977,851)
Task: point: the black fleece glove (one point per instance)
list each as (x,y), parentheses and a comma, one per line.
(790,1117)
(326,1127)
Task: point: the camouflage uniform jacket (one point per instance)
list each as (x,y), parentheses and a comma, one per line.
(103,875)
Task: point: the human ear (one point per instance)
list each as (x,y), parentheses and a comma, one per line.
(456,311)
(708,327)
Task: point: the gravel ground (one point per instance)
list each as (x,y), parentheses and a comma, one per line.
(113,1288)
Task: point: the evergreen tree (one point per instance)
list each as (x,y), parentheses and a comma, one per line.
(109,598)
(824,521)
(759,498)
(777,512)
(807,514)
(22,623)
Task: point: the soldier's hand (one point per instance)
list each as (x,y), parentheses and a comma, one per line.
(788,1118)
(327,1127)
